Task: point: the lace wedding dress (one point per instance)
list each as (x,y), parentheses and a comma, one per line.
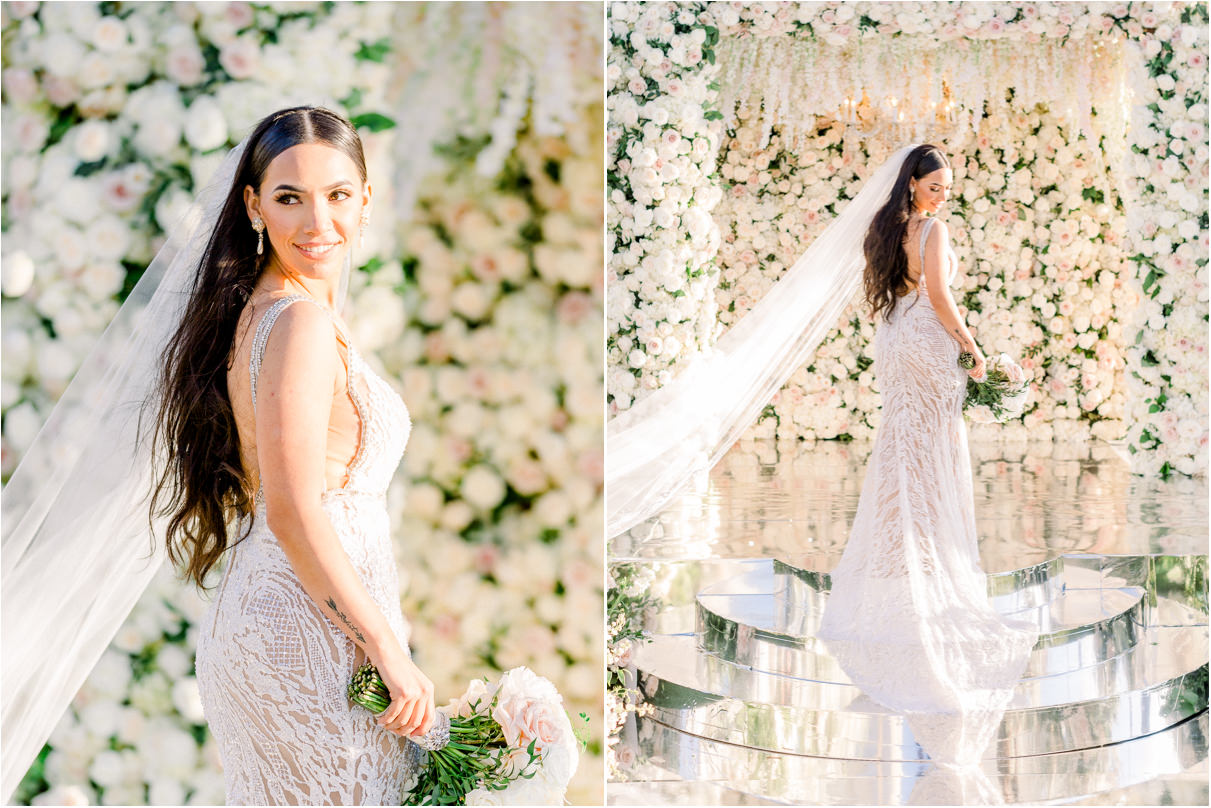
(272,668)
(908,616)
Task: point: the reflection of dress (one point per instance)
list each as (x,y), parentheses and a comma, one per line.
(272,668)
(908,616)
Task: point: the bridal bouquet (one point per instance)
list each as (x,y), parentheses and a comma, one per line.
(511,742)
(1001,395)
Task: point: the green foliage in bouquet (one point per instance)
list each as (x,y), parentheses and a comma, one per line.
(475,757)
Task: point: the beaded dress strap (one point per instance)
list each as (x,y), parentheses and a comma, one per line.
(924,236)
(261,337)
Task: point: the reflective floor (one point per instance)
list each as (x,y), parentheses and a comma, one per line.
(748,707)
(1033,501)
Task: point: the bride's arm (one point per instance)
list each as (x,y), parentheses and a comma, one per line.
(936,245)
(294,401)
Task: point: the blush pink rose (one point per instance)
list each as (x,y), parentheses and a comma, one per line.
(525,718)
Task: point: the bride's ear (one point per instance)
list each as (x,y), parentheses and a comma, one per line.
(367,193)
(252,203)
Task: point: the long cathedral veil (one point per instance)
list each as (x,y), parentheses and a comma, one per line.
(656,447)
(78,547)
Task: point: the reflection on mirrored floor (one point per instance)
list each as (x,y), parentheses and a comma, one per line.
(748,707)
(769,499)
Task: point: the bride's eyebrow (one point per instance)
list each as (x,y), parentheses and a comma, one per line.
(333,186)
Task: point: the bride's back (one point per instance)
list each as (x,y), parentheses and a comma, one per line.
(344,424)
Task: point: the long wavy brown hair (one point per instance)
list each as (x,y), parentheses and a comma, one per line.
(886,262)
(201,487)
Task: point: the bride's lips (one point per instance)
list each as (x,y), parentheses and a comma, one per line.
(316,250)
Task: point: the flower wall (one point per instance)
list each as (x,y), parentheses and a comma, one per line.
(479,302)
(1058,235)
(661,146)
(1059,308)
(498,500)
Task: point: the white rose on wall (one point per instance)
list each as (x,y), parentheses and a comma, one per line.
(205,127)
(483,488)
(16,274)
(91,140)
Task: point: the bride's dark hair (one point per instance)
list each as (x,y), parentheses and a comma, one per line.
(886,262)
(201,486)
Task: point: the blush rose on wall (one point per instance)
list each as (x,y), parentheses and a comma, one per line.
(480,305)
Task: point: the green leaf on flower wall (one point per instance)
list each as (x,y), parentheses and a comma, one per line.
(353,100)
(373,121)
(373,51)
(88,169)
(65,120)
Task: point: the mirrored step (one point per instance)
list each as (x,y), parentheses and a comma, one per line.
(718,773)
(1164,647)
(750,620)
(1158,684)
(1008,591)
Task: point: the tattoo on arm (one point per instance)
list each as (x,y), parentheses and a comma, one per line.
(345,620)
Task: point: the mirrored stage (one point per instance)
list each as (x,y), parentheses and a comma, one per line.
(747,706)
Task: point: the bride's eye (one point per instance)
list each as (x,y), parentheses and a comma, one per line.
(286,199)
(340,195)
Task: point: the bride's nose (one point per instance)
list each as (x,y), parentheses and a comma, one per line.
(320,220)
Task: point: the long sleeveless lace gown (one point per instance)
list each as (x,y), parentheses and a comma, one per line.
(907,615)
(272,668)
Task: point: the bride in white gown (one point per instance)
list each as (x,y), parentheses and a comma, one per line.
(908,616)
(269,415)
(238,306)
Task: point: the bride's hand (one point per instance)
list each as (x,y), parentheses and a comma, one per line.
(411,710)
(977,372)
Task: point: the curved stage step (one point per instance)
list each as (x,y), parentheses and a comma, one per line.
(1115,662)
(761,620)
(706,696)
(685,769)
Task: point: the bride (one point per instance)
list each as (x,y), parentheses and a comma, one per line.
(269,415)
(226,391)
(908,616)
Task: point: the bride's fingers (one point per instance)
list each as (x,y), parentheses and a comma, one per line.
(418,717)
(392,712)
(426,721)
(407,718)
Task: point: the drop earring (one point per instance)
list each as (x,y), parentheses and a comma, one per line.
(361,234)
(259,227)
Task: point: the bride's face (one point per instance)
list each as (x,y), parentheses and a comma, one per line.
(311,200)
(931,191)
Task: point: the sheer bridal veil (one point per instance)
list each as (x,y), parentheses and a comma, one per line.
(656,447)
(78,548)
